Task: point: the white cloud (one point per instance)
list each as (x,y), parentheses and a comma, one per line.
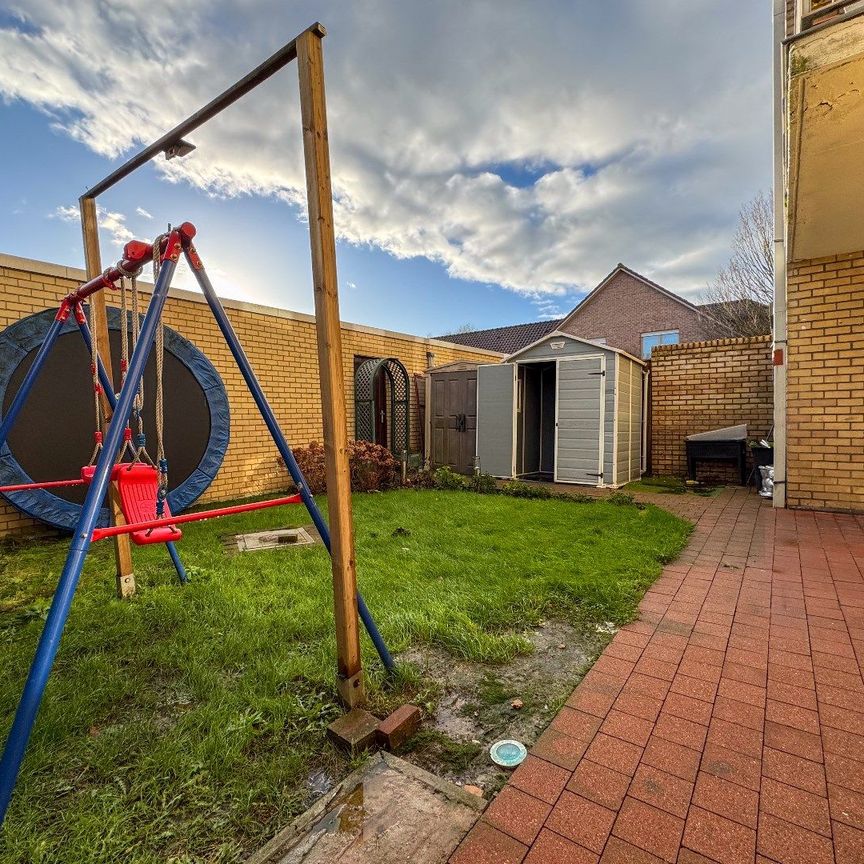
(532,145)
(142,212)
(110,221)
(66,214)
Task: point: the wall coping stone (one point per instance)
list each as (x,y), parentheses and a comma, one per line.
(713,343)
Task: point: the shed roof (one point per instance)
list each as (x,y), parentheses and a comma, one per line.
(560,334)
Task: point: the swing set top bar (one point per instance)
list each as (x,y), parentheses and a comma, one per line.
(285,55)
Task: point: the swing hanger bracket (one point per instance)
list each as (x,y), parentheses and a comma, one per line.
(175,241)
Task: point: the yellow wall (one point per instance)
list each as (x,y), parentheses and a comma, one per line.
(825,383)
(824,154)
(701,386)
(282,348)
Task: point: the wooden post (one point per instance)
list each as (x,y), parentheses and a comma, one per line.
(93,263)
(310,60)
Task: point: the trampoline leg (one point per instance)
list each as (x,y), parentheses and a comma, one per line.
(282,445)
(33,372)
(49,641)
(178,564)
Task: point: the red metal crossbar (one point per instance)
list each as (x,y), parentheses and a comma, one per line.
(47,484)
(136,253)
(114,530)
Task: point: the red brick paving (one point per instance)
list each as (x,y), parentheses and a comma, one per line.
(726,725)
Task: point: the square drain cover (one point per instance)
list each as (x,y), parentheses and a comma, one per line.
(276,538)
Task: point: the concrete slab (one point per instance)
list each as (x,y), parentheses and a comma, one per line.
(388,812)
(274,538)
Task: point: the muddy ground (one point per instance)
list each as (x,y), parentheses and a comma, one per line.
(476,704)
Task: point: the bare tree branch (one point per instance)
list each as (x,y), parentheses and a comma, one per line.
(740,299)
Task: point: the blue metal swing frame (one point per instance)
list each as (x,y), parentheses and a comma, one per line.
(179,241)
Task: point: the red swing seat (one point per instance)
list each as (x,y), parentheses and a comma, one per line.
(138,484)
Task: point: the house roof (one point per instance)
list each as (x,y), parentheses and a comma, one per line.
(560,334)
(742,302)
(508,340)
(505,340)
(621,268)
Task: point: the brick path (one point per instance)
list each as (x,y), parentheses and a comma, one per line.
(726,725)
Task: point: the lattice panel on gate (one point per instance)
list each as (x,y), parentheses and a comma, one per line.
(396,403)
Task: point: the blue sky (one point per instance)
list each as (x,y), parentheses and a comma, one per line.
(474,184)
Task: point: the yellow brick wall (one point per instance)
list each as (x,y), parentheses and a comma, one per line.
(825,383)
(699,386)
(282,349)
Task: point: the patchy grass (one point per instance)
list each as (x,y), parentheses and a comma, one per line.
(440,750)
(664,485)
(185,725)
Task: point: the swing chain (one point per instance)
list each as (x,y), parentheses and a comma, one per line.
(161,459)
(97,386)
(137,444)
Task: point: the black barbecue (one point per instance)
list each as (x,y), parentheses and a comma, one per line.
(728,444)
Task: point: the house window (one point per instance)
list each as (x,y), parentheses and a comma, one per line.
(649,340)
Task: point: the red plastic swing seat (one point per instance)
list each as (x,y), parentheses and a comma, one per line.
(137,485)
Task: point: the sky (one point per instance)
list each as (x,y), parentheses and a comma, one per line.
(492,160)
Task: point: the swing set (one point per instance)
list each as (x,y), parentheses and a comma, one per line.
(120,462)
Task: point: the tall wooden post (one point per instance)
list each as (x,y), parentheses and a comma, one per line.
(310,60)
(93,263)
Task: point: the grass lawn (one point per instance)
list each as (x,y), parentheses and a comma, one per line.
(184,725)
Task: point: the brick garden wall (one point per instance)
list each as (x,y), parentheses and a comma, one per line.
(708,385)
(282,348)
(825,383)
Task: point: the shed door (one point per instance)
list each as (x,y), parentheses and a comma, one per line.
(496,419)
(579,406)
(454,419)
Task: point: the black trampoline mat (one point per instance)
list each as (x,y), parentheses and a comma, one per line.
(53,435)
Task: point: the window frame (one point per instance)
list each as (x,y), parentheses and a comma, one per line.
(676,332)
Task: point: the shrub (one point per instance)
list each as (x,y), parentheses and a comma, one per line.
(373,467)
(420,478)
(518,489)
(483,483)
(447,479)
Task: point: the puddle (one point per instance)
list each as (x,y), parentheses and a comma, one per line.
(320,782)
(475,707)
